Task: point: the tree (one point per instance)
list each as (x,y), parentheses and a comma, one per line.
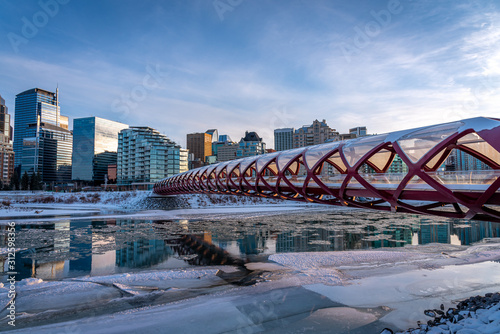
(14,181)
(39,183)
(25,181)
(32,181)
(35,181)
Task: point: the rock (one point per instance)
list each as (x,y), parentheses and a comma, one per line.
(430,313)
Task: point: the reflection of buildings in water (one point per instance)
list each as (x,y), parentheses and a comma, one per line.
(402,234)
(398,236)
(25,265)
(231,247)
(320,239)
(91,252)
(434,232)
(254,243)
(82,246)
(207,236)
(310,240)
(184,224)
(103,249)
(57,269)
(141,252)
(472,231)
(57,242)
(248,243)
(62,236)
(96,250)
(459,232)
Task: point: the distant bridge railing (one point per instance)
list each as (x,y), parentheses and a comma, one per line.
(399,171)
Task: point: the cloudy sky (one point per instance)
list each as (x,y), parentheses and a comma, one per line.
(187,66)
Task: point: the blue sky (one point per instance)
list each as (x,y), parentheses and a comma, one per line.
(188,66)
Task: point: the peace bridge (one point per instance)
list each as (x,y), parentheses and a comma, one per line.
(356,173)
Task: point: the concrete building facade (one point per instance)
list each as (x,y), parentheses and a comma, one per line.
(283,139)
(6,148)
(314,134)
(250,145)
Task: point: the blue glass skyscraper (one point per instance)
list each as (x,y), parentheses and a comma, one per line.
(95,147)
(42,141)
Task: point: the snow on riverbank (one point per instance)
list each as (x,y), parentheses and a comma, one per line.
(25,205)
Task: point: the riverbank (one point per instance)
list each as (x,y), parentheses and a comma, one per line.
(34,205)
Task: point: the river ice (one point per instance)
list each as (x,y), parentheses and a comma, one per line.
(361,291)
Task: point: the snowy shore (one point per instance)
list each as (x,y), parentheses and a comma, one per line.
(28,205)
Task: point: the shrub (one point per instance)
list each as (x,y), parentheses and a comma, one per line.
(71,199)
(46,199)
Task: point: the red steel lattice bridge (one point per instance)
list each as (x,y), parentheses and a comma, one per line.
(401,171)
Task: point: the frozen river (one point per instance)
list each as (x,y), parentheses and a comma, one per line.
(253,269)
(62,248)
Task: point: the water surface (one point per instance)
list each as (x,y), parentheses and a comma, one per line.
(71,247)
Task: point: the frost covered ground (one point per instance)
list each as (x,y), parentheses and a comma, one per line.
(359,291)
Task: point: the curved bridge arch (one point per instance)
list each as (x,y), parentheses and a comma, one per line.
(357,172)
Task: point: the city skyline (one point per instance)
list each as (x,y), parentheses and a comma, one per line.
(254,66)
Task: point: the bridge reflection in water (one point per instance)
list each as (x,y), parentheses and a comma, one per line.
(357,172)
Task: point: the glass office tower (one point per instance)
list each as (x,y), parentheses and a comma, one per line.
(42,141)
(47,150)
(33,106)
(95,147)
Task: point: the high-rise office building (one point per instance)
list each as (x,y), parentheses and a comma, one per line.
(5,127)
(42,141)
(214,133)
(227,151)
(225,138)
(6,149)
(250,145)
(283,139)
(200,145)
(462,161)
(33,106)
(317,133)
(95,147)
(359,131)
(146,156)
(47,150)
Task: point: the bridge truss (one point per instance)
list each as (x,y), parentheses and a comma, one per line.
(400,171)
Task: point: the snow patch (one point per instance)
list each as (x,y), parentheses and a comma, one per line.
(30,281)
